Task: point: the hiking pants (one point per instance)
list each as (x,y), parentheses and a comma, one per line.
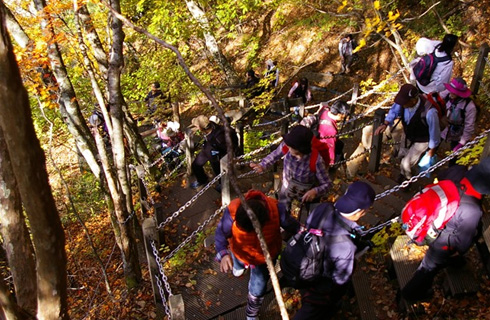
(411,156)
(198,165)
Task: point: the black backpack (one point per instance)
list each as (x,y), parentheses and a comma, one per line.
(302,261)
(425,67)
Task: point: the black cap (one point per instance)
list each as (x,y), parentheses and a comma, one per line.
(299,138)
(479,176)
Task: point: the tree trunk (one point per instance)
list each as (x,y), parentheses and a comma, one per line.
(29,167)
(15,29)
(16,240)
(69,108)
(116,102)
(199,15)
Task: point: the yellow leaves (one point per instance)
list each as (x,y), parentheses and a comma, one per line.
(341,7)
(393,16)
(376,5)
(361,44)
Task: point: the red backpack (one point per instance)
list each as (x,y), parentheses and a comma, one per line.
(317,148)
(426,214)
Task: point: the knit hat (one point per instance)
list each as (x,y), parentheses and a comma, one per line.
(458,87)
(407,92)
(199,123)
(359,195)
(299,138)
(479,176)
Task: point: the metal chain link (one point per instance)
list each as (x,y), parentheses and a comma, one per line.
(382,83)
(191,201)
(252,173)
(164,154)
(362,126)
(329,101)
(168,175)
(159,282)
(128,218)
(193,234)
(405,183)
(273,122)
(256,151)
(394,143)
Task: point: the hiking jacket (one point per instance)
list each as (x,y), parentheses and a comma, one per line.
(442,74)
(429,129)
(299,170)
(297,91)
(327,129)
(345,47)
(245,246)
(461,114)
(339,260)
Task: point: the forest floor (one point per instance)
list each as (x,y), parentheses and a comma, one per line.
(88,297)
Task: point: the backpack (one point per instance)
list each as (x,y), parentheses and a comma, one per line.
(302,261)
(440,105)
(424,68)
(427,213)
(317,148)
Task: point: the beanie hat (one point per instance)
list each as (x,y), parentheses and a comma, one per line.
(359,195)
(479,176)
(299,138)
(407,92)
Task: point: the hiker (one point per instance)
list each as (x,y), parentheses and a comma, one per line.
(170,137)
(346,45)
(155,97)
(442,52)
(421,128)
(213,149)
(461,113)
(272,74)
(324,124)
(300,89)
(238,247)
(320,300)
(303,178)
(455,239)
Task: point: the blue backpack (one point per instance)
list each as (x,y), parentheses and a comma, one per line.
(425,67)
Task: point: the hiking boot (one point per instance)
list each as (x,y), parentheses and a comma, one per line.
(196,185)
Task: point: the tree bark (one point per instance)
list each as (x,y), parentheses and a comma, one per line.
(69,108)
(116,102)
(199,15)
(15,29)
(16,240)
(29,167)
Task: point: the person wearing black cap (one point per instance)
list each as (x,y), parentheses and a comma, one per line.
(299,181)
(320,300)
(420,125)
(154,94)
(456,238)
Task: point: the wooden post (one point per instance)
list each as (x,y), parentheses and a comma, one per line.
(142,190)
(355,91)
(241,145)
(177,308)
(159,218)
(150,234)
(225,182)
(374,158)
(479,68)
(189,148)
(176,112)
(486,149)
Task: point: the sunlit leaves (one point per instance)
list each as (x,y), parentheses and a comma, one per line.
(341,7)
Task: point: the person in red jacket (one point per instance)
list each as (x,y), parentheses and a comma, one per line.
(238,246)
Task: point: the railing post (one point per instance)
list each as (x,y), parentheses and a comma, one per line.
(355,92)
(374,158)
(177,308)
(150,234)
(140,172)
(479,68)
(241,144)
(225,182)
(189,148)
(486,149)
(159,218)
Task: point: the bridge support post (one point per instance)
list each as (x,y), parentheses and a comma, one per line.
(177,308)
(479,68)
(239,130)
(225,182)
(150,234)
(189,148)
(374,158)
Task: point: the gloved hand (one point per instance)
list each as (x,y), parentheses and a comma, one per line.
(214,152)
(457,147)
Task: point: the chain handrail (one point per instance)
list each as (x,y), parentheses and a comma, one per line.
(194,233)
(271,122)
(405,183)
(159,282)
(328,101)
(256,151)
(379,85)
(191,201)
(353,157)
(349,131)
(174,148)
